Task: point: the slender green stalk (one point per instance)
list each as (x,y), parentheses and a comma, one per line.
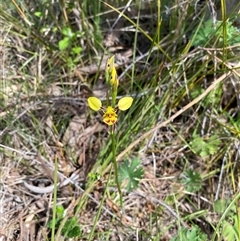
(115,164)
(99,209)
(110,113)
(114,96)
(54,200)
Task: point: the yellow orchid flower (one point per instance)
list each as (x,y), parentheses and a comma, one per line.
(109,114)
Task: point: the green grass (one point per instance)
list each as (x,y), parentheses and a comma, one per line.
(183,126)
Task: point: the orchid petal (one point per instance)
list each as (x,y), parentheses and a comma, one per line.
(94,103)
(110,116)
(125,103)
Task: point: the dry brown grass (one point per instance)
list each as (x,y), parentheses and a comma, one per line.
(44,119)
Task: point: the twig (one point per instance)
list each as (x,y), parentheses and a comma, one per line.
(186,107)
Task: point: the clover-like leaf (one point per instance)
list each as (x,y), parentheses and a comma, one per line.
(193,233)
(191,180)
(132,172)
(125,103)
(94,103)
(71,228)
(205,147)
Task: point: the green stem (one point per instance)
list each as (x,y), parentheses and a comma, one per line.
(99,209)
(114,96)
(55,177)
(115,164)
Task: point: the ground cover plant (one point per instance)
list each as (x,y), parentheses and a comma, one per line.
(119,120)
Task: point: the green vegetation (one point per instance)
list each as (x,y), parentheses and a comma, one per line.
(71,227)
(168,169)
(131,172)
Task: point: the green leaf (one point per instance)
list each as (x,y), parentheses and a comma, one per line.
(38,14)
(79,34)
(64,43)
(205,147)
(74,232)
(220,205)
(132,172)
(210,32)
(57,223)
(213,98)
(191,180)
(76,50)
(228,231)
(190,234)
(67,32)
(60,211)
(203,34)
(69,224)
(71,228)
(94,176)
